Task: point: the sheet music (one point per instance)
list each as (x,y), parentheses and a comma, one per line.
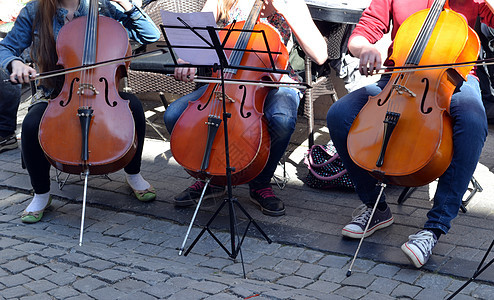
(186,37)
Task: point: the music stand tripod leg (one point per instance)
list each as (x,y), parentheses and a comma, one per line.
(180,251)
(477,272)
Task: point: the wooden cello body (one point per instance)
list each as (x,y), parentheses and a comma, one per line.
(88,126)
(198,138)
(404,135)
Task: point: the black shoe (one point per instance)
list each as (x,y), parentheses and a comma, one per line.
(8,143)
(192,194)
(269,203)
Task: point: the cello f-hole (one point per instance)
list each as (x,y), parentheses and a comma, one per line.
(200,107)
(245,116)
(70,93)
(103,79)
(380,102)
(422,103)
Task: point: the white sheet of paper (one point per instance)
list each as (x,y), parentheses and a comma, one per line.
(185,36)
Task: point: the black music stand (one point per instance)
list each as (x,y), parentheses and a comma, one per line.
(477,272)
(229,200)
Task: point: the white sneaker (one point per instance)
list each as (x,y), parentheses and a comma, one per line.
(360,217)
(418,249)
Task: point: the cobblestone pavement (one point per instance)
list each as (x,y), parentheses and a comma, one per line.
(130,248)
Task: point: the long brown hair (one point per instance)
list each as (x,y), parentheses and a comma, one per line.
(224,7)
(44,50)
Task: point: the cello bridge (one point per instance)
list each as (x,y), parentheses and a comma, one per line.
(400,89)
(219,96)
(87,86)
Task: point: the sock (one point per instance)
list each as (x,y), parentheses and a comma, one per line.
(39,202)
(382,206)
(136,182)
(436,231)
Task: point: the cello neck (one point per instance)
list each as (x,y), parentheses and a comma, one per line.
(425,32)
(91,33)
(244,37)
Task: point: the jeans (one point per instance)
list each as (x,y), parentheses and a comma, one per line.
(10,97)
(34,158)
(280,110)
(469,134)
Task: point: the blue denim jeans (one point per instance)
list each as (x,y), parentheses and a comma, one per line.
(10,97)
(469,134)
(280,110)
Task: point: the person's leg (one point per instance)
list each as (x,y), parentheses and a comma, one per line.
(36,163)
(177,107)
(142,189)
(10,96)
(280,111)
(469,134)
(339,119)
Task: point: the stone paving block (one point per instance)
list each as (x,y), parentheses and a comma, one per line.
(359,280)
(42,296)
(351,292)
(434,282)
(377,296)
(189,294)
(311,271)
(138,295)
(14,280)
(38,272)
(8,242)
(483,292)
(334,261)
(407,275)
(288,252)
(106,293)
(97,264)
(61,278)
(384,270)
(264,275)
(323,286)
(17,266)
(334,275)
(87,284)
(130,285)
(209,287)
(311,256)
(40,286)
(430,293)
(295,281)
(75,258)
(162,290)
(148,249)
(218,263)
(111,276)
(222,296)
(287,266)
(266,261)
(384,285)
(14,292)
(149,277)
(7,255)
(406,290)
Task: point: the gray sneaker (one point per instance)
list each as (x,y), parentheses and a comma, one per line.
(8,143)
(418,249)
(360,217)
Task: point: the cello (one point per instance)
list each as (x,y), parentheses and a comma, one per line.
(198,139)
(88,127)
(404,135)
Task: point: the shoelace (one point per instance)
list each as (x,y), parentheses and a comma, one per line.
(361,214)
(424,240)
(198,185)
(265,192)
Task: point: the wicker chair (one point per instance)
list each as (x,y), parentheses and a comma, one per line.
(148,75)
